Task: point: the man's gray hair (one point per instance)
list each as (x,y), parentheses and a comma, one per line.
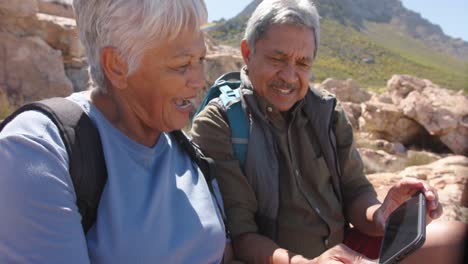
(294,12)
(132,26)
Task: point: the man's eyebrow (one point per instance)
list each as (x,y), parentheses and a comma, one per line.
(307,59)
(279,52)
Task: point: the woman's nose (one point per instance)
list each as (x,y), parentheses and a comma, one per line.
(197,77)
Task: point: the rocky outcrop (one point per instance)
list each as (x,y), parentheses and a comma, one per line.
(346,91)
(220,59)
(30,69)
(448,175)
(23,8)
(58,32)
(386,121)
(444,114)
(61,8)
(40,53)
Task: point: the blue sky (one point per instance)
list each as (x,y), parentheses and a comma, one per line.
(451,15)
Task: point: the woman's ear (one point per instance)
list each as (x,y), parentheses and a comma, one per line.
(246,51)
(115,67)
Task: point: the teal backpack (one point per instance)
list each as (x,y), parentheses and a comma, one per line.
(226,88)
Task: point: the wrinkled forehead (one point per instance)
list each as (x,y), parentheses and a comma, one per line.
(287,39)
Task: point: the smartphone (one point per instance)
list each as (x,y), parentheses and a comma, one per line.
(405,230)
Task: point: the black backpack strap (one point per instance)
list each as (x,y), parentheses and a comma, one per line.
(206,164)
(87,165)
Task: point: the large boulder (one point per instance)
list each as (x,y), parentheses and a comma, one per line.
(386,121)
(30,69)
(59,32)
(443,113)
(346,91)
(18,8)
(353,112)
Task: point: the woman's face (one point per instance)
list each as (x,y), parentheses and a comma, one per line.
(162,90)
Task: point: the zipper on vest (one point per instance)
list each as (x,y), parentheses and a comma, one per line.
(299,182)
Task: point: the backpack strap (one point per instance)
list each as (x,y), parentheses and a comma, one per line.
(226,88)
(87,165)
(206,165)
(238,121)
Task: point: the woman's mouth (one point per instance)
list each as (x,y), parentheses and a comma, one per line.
(185,103)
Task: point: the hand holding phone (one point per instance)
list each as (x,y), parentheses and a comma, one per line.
(405,230)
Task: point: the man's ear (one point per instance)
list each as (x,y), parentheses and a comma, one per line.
(246,51)
(115,67)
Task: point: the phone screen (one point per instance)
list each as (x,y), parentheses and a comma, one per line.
(404,230)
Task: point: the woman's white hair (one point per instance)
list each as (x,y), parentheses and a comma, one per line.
(294,12)
(132,26)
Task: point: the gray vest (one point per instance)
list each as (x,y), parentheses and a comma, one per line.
(262,166)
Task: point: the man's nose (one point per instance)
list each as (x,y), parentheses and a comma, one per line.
(288,74)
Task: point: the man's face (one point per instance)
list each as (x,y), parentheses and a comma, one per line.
(280,67)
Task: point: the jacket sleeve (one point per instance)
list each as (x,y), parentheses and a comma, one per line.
(40,222)
(353,180)
(212,133)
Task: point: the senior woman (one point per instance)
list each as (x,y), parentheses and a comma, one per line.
(146,62)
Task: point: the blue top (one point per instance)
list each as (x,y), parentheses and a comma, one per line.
(155,208)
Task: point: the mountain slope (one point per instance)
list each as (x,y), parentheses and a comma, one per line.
(371,40)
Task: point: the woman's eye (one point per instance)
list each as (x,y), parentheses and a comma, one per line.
(182,67)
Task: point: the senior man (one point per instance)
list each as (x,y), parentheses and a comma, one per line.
(302,182)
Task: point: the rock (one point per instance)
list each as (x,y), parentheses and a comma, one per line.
(448,175)
(368,60)
(30,69)
(220,59)
(60,33)
(380,161)
(62,8)
(399,86)
(77,71)
(441,112)
(386,121)
(345,91)
(420,157)
(394,148)
(18,8)
(353,112)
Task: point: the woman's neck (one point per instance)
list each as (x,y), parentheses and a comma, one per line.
(119,113)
